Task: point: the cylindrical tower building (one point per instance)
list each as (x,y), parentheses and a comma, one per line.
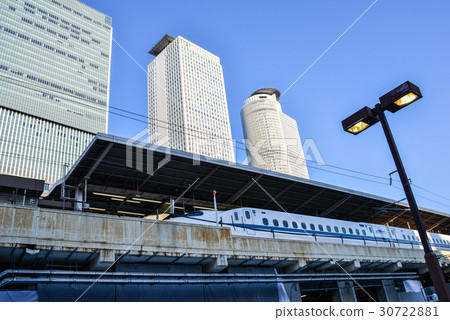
(272,138)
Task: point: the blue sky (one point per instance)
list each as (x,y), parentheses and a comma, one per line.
(269,44)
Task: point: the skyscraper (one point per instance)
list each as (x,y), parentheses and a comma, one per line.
(272,138)
(187,106)
(54,84)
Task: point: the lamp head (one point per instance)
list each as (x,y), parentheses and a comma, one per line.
(359,121)
(400,97)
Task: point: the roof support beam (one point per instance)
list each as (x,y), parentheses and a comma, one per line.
(99,160)
(49,252)
(209,174)
(90,256)
(335,206)
(242,190)
(70,254)
(280,261)
(310,199)
(270,258)
(204,259)
(13,250)
(178,258)
(279,194)
(151,257)
(437,224)
(359,208)
(123,255)
(245,261)
(393,218)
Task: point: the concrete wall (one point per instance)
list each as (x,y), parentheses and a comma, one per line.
(113,235)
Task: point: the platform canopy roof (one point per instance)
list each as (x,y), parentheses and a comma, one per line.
(128,177)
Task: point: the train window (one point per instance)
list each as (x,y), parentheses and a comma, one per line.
(343,230)
(285,224)
(312,226)
(350,230)
(357,232)
(253,211)
(236,216)
(404,237)
(364,232)
(320,227)
(370,229)
(303,225)
(294,225)
(417,238)
(336,229)
(328,228)
(275,222)
(247,214)
(263,212)
(265,222)
(409,238)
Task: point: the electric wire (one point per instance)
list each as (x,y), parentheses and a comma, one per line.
(237,142)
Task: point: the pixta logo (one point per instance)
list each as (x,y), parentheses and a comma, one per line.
(140,153)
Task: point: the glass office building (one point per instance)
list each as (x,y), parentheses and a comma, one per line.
(54,84)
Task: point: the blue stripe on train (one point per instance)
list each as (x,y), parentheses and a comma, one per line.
(332,234)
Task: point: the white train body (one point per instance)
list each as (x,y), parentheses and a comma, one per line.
(280,225)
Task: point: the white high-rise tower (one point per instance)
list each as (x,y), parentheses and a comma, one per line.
(187,106)
(272,138)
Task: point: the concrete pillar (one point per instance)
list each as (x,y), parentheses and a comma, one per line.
(293,291)
(394,267)
(344,293)
(296,266)
(103,261)
(217,265)
(78,205)
(354,266)
(387,292)
(326,266)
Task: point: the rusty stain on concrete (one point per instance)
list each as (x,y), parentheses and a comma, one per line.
(45,228)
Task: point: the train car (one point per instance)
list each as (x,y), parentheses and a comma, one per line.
(253,222)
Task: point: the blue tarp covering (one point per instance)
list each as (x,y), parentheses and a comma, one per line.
(18,296)
(161,293)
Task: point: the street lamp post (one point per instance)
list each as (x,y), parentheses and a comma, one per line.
(393,101)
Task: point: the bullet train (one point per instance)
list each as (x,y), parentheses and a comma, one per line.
(281,225)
